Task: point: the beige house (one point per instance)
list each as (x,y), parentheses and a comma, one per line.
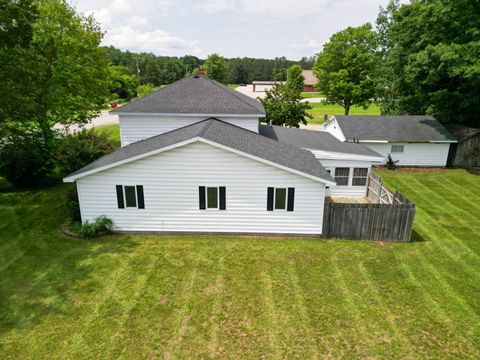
(310,82)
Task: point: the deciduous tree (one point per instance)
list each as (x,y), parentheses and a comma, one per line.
(431,59)
(57,74)
(284,107)
(216,68)
(346,67)
(295,78)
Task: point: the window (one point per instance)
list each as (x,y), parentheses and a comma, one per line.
(130,196)
(360,176)
(397,149)
(341,176)
(280,199)
(212,198)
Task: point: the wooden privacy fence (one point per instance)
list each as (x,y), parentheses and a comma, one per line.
(388,217)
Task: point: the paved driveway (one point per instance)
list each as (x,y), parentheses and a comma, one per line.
(103,119)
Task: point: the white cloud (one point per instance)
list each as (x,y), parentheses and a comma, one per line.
(137,21)
(215,6)
(156,41)
(288,8)
(127,26)
(257,28)
(308,44)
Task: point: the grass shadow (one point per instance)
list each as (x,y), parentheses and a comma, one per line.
(40,268)
(416,237)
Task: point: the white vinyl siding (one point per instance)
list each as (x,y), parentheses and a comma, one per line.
(171,183)
(415,154)
(333,128)
(134,128)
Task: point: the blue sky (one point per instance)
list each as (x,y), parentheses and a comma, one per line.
(232,28)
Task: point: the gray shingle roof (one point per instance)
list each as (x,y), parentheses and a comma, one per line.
(315,140)
(194,95)
(413,128)
(225,134)
(462,132)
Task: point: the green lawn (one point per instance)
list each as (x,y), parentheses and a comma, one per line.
(320,109)
(309,95)
(113,132)
(183,297)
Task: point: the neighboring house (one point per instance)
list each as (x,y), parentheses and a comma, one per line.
(411,140)
(465,153)
(310,82)
(263,86)
(349,163)
(183,103)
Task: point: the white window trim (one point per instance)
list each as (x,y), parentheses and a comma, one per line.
(349,184)
(125,198)
(362,177)
(350,175)
(275,198)
(402,146)
(218,198)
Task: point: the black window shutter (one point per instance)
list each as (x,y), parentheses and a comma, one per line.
(291,199)
(140,199)
(201,197)
(223,204)
(121,203)
(270,191)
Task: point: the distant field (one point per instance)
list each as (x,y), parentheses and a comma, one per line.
(320,109)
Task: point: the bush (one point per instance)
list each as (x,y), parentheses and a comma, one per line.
(81,148)
(27,159)
(72,206)
(145,89)
(101,226)
(391,165)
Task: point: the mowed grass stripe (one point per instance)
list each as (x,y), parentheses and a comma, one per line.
(302,311)
(436,212)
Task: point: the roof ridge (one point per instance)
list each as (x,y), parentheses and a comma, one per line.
(231,92)
(147,95)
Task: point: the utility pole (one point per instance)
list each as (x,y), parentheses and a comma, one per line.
(138,71)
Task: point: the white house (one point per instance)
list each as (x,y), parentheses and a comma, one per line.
(183,103)
(210,176)
(411,140)
(194,159)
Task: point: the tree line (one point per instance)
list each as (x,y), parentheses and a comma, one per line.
(163,70)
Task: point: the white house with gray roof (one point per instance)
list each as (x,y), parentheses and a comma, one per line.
(195,160)
(183,103)
(411,140)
